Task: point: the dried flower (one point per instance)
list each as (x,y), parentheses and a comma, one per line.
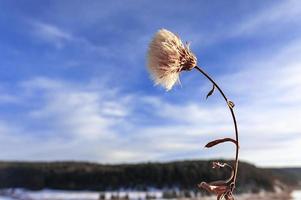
(167,57)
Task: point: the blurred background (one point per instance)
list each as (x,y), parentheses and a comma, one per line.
(78,110)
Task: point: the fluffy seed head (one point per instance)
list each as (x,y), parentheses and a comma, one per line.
(167,57)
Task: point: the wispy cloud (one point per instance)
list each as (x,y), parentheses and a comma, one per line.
(51,34)
(70,116)
(267,20)
(76,110)
(272,18)
(59,37)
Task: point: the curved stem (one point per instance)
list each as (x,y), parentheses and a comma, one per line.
(233,117)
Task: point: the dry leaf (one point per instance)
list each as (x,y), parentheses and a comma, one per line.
(218,141)
(210,92)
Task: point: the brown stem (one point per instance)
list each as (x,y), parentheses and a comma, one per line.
(233,117)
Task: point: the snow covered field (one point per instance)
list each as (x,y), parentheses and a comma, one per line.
(73,195)
(48,195)
(20,194)
(296,195)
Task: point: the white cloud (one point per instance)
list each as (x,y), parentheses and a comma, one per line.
(59,37)
(51,33)
(77,110)
(72,122)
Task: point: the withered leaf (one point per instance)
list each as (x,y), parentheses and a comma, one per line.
(210,92)
(218,141)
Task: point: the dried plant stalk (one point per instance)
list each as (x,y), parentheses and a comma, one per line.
(230,183)
(167,57)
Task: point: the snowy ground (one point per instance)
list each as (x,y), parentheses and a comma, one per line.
(20,194)
(296,195)
(73,195)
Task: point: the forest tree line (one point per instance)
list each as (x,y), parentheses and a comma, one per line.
(183,175)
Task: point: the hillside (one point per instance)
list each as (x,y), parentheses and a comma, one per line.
(288,175)
(89,176)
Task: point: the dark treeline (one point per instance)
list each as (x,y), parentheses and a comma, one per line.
(88,176)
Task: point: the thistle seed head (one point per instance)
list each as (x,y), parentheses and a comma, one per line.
(167,57)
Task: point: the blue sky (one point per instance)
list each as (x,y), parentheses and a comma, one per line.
(74,85)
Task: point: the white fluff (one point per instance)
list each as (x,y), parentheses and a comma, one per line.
(167,57)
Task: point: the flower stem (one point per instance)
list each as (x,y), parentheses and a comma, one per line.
(233,117)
